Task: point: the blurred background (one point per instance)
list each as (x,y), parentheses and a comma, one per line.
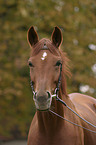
(77,20)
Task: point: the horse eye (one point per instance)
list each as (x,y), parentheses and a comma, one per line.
(30,64)
(58,63)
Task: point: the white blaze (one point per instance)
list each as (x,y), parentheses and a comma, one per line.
(44,56)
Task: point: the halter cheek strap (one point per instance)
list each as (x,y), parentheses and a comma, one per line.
(58,85)
(32,87)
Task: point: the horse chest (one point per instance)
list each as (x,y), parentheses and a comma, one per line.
(61,137)
(57,141)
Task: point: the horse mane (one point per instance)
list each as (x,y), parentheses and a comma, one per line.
(58,52)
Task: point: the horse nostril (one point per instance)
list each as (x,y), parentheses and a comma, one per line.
(49,96)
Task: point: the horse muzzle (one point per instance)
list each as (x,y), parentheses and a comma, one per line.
(42,100)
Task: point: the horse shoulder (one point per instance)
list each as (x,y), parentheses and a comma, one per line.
(81,100)
(86,107)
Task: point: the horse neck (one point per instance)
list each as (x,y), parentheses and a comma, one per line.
(48,122)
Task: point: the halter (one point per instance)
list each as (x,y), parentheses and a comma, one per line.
(55,95)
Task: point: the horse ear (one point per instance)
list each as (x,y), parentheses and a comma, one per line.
(32,36)
(57,36)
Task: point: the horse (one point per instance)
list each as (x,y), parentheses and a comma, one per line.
(52,122)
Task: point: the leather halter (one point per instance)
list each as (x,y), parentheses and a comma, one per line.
(55,95)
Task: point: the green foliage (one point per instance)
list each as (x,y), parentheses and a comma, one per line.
(77,19)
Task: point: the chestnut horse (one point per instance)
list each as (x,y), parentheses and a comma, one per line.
(46,74)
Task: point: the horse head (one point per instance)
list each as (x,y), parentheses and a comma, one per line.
(44,62)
